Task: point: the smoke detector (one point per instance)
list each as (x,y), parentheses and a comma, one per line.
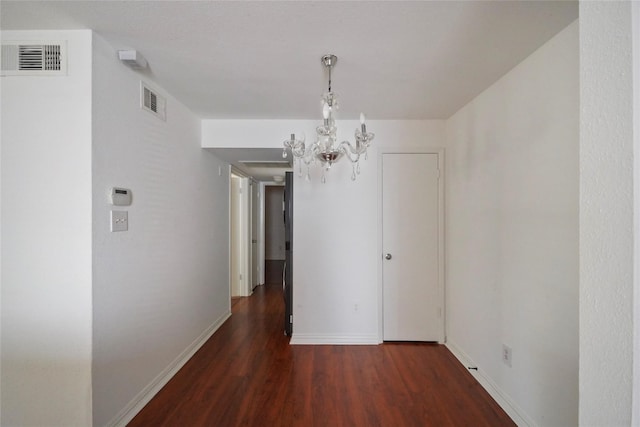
(133,59)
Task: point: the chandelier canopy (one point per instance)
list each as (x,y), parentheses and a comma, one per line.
(326,149)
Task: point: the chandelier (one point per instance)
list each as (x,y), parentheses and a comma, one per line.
(326,149)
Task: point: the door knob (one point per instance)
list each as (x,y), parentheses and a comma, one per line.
(387,256)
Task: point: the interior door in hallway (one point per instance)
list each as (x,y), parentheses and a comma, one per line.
(412,294)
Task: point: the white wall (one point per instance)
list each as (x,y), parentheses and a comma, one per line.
(606,213)
(163,286)
(46,241)
(512,233)
(636,211)
(274,223)
(336,249)
(335,260)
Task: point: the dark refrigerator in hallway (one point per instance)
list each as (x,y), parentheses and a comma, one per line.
(288,264)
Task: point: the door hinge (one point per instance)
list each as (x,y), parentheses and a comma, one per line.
(241,277)
(291,318)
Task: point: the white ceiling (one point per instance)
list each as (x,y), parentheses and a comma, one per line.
(261,59)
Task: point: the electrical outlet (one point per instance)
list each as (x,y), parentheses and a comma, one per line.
(119,221)
(506,355)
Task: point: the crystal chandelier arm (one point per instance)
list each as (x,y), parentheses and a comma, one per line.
(363,137)
(353,154)
(308,158)
(296,146)
(298,151)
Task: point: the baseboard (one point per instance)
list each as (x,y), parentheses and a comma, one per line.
(147,393)
(320,339)
(510,407)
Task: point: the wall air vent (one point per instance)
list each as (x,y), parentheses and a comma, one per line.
(34,59)
(152,102)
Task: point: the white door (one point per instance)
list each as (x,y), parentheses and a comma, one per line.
(412,297)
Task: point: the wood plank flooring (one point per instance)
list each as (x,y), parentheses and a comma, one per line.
(247,374)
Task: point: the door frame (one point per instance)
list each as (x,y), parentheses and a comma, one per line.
(255,227)
(440,152)
(261,225)
(245,232)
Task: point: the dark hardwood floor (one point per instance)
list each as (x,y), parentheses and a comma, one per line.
(247,374)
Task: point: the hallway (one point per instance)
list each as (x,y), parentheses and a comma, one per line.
(248,374)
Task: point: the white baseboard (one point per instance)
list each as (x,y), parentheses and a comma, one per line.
(147,393)
(510,407)
(319,339)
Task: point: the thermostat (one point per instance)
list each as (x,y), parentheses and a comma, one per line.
(120,196)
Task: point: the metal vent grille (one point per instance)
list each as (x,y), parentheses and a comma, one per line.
(28,58)
(39,57)
(152,102)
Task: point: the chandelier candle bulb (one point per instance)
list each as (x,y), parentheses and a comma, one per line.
(363,127)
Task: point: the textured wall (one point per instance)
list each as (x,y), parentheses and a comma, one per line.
(163,283)
(606,213)
(512,232)
(46,240)
(636,151)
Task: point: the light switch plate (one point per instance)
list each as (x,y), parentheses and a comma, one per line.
(119,221)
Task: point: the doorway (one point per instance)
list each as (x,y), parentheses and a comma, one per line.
(412,244)
(274,232)
(240,236)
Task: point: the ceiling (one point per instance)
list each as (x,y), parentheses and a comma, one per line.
(261,59)
(264,164)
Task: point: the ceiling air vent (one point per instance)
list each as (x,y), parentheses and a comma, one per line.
(33,58)
(152,102)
